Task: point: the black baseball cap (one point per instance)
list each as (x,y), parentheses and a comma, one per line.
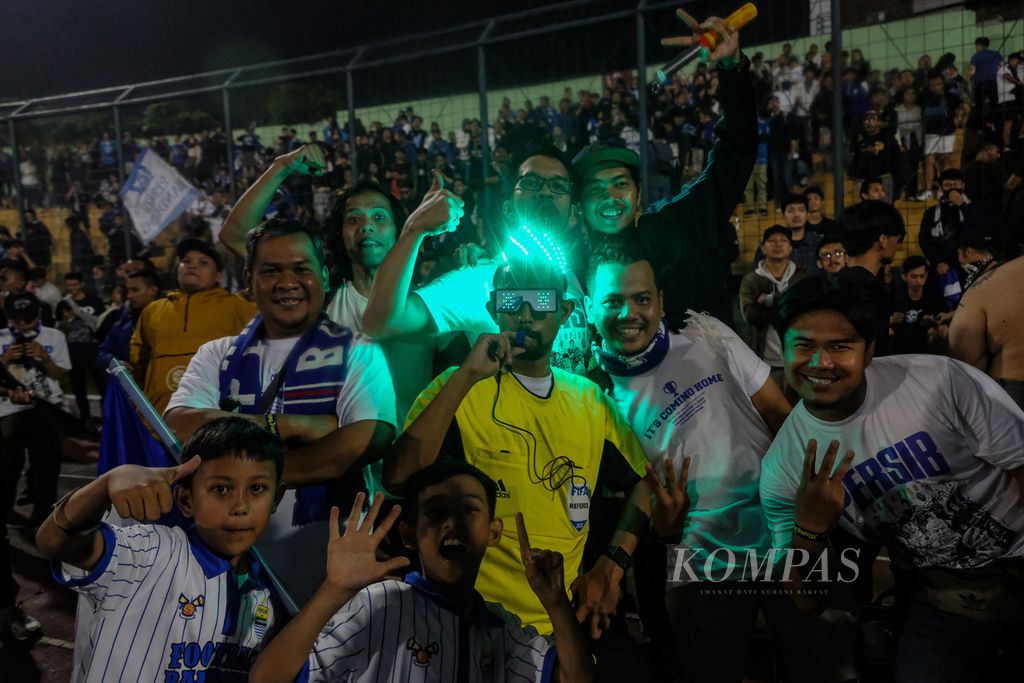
(777,230)
(599,156)
(22,306)
(202,247)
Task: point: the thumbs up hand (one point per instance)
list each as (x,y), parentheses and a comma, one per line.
(144,493)
(439,212)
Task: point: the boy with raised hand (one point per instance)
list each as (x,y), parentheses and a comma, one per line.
(361,626)
(174,604)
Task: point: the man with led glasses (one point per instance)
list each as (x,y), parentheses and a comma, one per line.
(547,437)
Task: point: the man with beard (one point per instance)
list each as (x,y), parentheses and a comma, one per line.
(933,469)
(687,238)
(540,208)
(311,382)
(660,376)
(547,437)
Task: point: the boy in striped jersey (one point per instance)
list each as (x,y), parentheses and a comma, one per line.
(172,604)
(361,626)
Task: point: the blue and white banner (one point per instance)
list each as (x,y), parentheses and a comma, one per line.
(155,194)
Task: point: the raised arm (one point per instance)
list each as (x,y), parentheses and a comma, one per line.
(390,311)
(248,212)
(420,443)
(351,566)
(71,532)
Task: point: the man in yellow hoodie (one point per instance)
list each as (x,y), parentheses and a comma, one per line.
(172,329)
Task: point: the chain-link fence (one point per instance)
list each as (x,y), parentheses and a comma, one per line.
(467,99)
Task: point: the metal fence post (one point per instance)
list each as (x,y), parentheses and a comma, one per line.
(229,140)
(641,91)
(838,189)
(350,101)
(16,172)
(120,180)
(485,148)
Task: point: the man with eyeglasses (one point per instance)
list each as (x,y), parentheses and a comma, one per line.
(539,216)
(831,255)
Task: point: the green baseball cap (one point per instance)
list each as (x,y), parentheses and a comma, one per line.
(600,155)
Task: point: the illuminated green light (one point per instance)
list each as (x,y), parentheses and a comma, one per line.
(548,247)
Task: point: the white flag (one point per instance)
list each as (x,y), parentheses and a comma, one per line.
(155,194)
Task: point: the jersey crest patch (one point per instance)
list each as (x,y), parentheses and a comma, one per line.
(421,654)
(188,609)
(261,619)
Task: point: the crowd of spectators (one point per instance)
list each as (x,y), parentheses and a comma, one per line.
(901,131)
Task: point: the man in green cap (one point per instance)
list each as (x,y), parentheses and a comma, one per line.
(687,238)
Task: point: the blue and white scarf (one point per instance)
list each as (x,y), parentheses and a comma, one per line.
(314,374)
(630,366)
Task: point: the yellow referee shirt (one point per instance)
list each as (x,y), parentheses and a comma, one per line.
(547,456)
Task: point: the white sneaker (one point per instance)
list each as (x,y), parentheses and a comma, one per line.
(924,196)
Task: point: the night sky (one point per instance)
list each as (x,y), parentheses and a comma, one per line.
(51,47)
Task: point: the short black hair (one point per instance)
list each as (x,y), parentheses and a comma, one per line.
(913,263)
(234,436)
(17,265)
(542,150)
(793,198)
(74,275)
(280,227)
(441,471)
(831,238)
(983,41)
(814,189)
(851,294)
(863,223)
(147,276)
(623,251)
(951,174)
(866,184)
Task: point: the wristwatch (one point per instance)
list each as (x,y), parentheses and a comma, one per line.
(619,556)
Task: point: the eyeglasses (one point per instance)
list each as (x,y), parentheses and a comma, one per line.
(826,255)
(534,183)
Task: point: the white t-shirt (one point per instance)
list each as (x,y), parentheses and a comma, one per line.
(1004,88)
(457,302)
(367,395)
(411,361)
(42,385)
(935,441)
(696,403)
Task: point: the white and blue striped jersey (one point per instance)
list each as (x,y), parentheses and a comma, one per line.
(166,608)
(403,631)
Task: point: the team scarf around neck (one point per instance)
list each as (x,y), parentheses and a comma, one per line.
(21,336)
(631,366)
(315,372)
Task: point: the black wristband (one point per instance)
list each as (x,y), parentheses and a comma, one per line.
(810,535)
(616,554)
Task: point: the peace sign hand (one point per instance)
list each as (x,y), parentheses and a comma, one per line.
(672,503)
(544,568)
(820,497)
(352,559)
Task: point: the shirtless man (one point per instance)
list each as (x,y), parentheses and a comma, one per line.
(987,330)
